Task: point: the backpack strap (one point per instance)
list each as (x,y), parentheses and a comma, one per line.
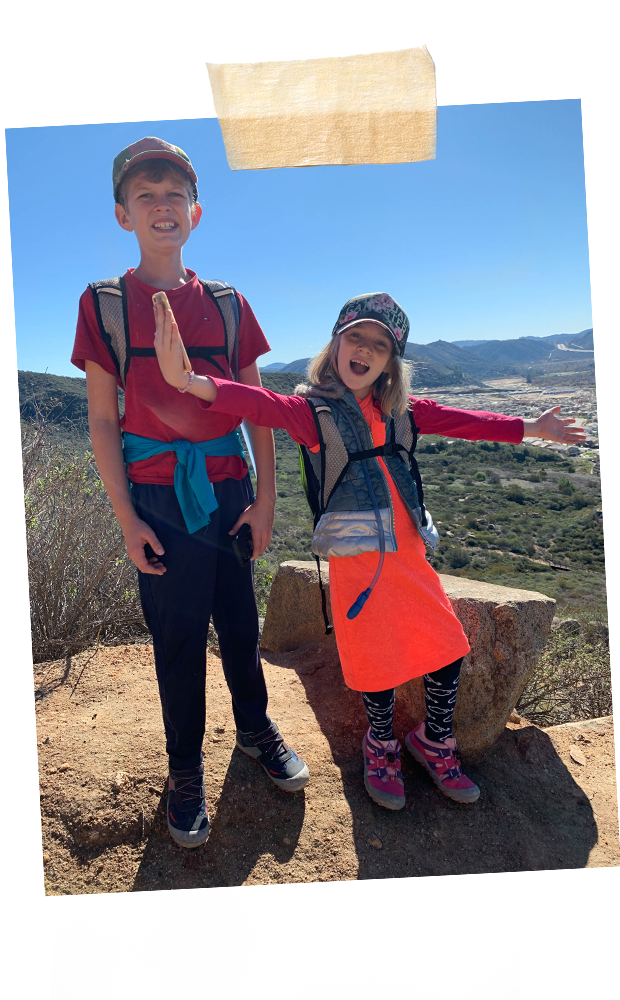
(110,301)
(405,434)
(225,298)
(334,455)
(314,487)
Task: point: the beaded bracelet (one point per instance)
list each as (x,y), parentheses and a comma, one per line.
(191,379)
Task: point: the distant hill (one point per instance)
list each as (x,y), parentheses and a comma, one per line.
(510,352)
(433,375)
(555,338)
(293,366)
(444,353)
(597,343)
(277,366)
(597,339)
(466,343)
(61,398)
(300,365)
(559,338)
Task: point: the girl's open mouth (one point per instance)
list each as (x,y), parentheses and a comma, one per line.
(164,226)
(359,367)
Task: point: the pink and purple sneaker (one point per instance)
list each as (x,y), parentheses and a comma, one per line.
(382,778)
(443,763)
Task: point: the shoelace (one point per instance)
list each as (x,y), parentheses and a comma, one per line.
(273,746)
(457,768)
(381,751)
(188,788)
(390,757)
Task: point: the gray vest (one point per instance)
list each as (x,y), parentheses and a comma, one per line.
(347,513)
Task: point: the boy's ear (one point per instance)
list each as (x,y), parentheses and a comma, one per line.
(196,214)
(122,218)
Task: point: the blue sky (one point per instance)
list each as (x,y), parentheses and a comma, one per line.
(489,240)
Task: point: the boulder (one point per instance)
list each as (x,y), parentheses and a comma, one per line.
(294,615)
(566,626)
(507,630)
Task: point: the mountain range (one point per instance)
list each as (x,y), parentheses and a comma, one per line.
(480,359)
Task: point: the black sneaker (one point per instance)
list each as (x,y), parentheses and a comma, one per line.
(282,764)
(188,819)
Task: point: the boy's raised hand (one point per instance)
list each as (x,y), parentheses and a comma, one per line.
(553,428)
(169,348)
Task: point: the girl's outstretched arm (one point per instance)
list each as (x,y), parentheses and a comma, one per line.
(253,403)
(482,425)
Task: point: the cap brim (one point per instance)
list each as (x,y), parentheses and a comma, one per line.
(356,322)
(153,154)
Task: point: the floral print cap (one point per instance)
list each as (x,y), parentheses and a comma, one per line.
(377,307)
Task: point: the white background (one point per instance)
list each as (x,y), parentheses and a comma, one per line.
(161,22)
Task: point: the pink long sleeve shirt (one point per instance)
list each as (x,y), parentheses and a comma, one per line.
(294,415)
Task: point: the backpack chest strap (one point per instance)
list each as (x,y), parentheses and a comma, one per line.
(383,451)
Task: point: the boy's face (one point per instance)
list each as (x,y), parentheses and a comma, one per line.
(162,214)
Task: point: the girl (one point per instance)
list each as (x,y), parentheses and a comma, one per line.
(358,425)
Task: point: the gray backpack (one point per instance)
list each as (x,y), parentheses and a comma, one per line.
(110,298)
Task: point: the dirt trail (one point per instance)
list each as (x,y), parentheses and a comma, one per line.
(103,775)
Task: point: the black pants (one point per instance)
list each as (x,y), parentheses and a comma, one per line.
(202,579)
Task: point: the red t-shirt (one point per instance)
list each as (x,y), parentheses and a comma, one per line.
(153,408)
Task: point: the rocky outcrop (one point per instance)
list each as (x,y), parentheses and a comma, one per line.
(294,615)
(506,629)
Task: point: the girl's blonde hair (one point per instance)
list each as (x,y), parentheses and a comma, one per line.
(392,388)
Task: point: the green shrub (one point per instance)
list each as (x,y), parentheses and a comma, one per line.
(565,486)
(263,579)
(515,493)
(458,558)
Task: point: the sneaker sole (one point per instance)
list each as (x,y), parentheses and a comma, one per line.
(385,799)
(456,794)
(295,784)
(185,838)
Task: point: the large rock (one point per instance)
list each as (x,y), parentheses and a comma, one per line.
(507,630)
(294,615)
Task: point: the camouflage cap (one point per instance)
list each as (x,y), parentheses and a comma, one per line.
(150,148)
(375,307)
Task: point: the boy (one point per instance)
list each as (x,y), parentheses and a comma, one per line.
(187,569)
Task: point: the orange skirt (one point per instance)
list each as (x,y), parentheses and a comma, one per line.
(407,626)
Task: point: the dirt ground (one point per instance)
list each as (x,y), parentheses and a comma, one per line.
(548,796)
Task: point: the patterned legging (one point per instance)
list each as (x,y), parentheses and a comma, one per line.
(440,689)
